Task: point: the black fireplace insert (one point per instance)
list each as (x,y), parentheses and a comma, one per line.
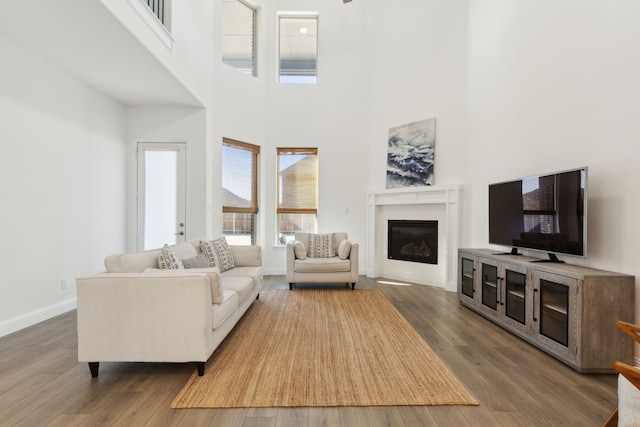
(414,241)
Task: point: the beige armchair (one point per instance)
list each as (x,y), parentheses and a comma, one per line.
(322,258)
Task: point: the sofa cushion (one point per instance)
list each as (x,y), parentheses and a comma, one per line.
(227,306)
(321,265)
(300,250)
(321,245)
(255,273)
(168,259)
(242,285)
(344,248)
(246,255)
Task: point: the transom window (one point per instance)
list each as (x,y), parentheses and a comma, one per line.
(298,48)
(239,35)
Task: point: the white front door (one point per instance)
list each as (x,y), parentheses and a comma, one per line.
(161,194)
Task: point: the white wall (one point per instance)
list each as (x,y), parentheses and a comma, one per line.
(63,169)
(552,86)
(418,53)
(189,58)
(376,70)
(332,115)
(188,125)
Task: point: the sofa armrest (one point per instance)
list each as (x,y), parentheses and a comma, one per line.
(247,256)
(165,316)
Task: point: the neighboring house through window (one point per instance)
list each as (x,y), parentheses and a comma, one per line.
(239,191)
(297,192)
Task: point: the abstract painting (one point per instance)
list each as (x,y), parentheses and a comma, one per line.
(410,159)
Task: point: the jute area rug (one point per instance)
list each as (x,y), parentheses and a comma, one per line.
(310,348)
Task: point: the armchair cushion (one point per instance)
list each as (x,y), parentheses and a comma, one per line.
(322,265)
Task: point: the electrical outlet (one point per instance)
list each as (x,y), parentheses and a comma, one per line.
(64,283)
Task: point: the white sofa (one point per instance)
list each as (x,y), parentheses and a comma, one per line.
(136,312)
(310,269)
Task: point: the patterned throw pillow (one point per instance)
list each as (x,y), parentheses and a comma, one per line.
(322,245)
(225,256)
(169,260)
(209,252)
(344,248)
(218,253)
(201,261)
(299,250)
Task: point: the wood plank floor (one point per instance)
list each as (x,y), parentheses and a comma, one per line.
(43,384)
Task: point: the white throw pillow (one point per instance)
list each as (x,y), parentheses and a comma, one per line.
(169,260)
(299,250)
(344,248)
(322,245)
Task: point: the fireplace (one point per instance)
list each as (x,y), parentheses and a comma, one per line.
(414,241)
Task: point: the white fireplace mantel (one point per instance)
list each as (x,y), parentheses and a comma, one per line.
(449,196)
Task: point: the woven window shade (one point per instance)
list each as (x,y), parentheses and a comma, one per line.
(298,180)
(239,177)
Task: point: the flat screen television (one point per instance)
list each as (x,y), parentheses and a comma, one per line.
(546,213)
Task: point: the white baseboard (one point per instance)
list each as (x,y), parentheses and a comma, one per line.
(17,323)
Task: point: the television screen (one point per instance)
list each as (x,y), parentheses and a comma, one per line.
(545,213)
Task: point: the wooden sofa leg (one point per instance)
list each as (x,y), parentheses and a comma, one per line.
(93,367)
(353,286)
(200,368)
(290,286)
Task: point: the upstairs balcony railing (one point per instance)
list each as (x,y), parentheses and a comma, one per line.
(158,9)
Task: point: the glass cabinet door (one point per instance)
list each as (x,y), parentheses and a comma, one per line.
(490,286)
(467,277)
(515,301)
(554,306)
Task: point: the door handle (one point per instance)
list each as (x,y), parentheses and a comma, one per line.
(180,233)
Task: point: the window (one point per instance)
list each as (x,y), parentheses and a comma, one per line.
(298,48)
(239,35)
(297,192)
(239,191)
